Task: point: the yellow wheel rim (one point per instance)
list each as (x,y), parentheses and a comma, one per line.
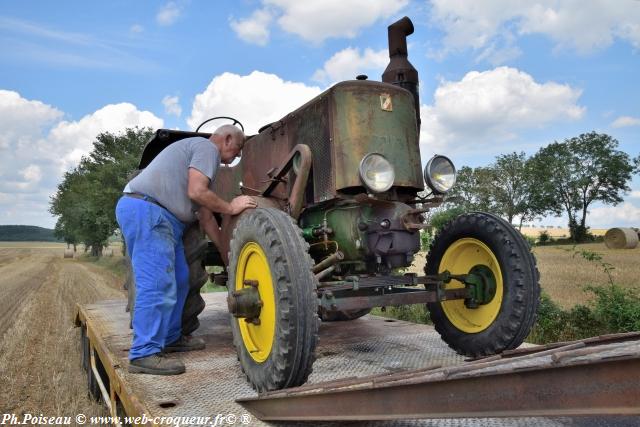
(253,265)
(460,258)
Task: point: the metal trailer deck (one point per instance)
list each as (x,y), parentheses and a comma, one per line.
(353,358)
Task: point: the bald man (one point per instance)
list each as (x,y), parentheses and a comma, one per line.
(153,212)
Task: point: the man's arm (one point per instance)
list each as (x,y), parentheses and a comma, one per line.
(198,191)
(209,225)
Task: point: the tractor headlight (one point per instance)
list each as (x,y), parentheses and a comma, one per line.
(440,174)
(376,172)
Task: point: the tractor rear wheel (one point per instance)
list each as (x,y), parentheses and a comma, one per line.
(269,262)
(485,243)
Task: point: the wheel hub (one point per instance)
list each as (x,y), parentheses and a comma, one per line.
(246,303)
(481,283)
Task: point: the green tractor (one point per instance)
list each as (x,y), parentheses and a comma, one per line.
(338,184)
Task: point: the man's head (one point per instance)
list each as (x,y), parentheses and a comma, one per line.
(229,139)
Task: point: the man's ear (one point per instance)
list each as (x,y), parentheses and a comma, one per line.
(228,139)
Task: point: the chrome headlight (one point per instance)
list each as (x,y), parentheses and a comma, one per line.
(440,174)
(376,172)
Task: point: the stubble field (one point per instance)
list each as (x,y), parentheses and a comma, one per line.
(40,368)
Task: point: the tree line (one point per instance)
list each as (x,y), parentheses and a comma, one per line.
(563,177)
(86,198)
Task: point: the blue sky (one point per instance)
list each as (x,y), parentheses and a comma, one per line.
(496,76)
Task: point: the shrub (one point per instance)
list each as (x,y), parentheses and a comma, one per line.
(439,219)
(544,237)
(613,310)
(426,238)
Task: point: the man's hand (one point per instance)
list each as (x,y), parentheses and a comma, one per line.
(241,203)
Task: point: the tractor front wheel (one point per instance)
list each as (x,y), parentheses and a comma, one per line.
(272,299)
(485,245)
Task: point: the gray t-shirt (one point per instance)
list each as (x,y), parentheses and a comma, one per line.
(167,176)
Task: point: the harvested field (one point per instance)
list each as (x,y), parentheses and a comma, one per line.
(40,367)
(557,233)
(564,276)
(40,360)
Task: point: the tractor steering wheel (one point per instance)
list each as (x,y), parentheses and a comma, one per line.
(235,121)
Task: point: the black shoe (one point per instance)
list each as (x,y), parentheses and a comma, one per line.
(185,343)
(156,364)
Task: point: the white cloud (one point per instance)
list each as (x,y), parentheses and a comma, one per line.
(254,29)
(624,121)
(317,20)
(491,107)
(136,28)
(255,99)
(168,14)
(576,24)
(635,194)
(37,147)
(172,105)
(624,215)
(21,120)
(76,137)
(349,62)
(32,173)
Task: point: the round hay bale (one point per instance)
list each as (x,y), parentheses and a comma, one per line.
(621,238)
(68,253)
(107,252)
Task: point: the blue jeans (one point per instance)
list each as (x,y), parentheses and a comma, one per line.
(154,243)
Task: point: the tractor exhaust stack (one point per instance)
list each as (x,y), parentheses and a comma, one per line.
(400,72)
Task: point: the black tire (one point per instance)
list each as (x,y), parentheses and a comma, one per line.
(343,316)
(194,248)
(521,289)
(292,352)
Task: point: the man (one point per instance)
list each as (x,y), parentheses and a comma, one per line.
(152,214)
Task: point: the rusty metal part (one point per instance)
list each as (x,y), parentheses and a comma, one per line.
(400,72)
(245,302)
(593,341)
(328,261)
(564,381)
(388,298)
(277,176)
(324,273)
(363,282)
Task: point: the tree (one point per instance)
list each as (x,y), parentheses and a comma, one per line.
(571,175)
(511,191)
(86,198)
(472,189)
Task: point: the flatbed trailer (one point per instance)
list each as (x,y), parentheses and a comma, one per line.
(371,368)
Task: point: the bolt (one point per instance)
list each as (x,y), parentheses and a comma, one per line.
(252,283)
(260,303)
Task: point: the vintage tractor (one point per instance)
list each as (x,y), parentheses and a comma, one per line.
(338,184)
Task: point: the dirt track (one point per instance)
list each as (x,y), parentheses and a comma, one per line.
(40,368)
